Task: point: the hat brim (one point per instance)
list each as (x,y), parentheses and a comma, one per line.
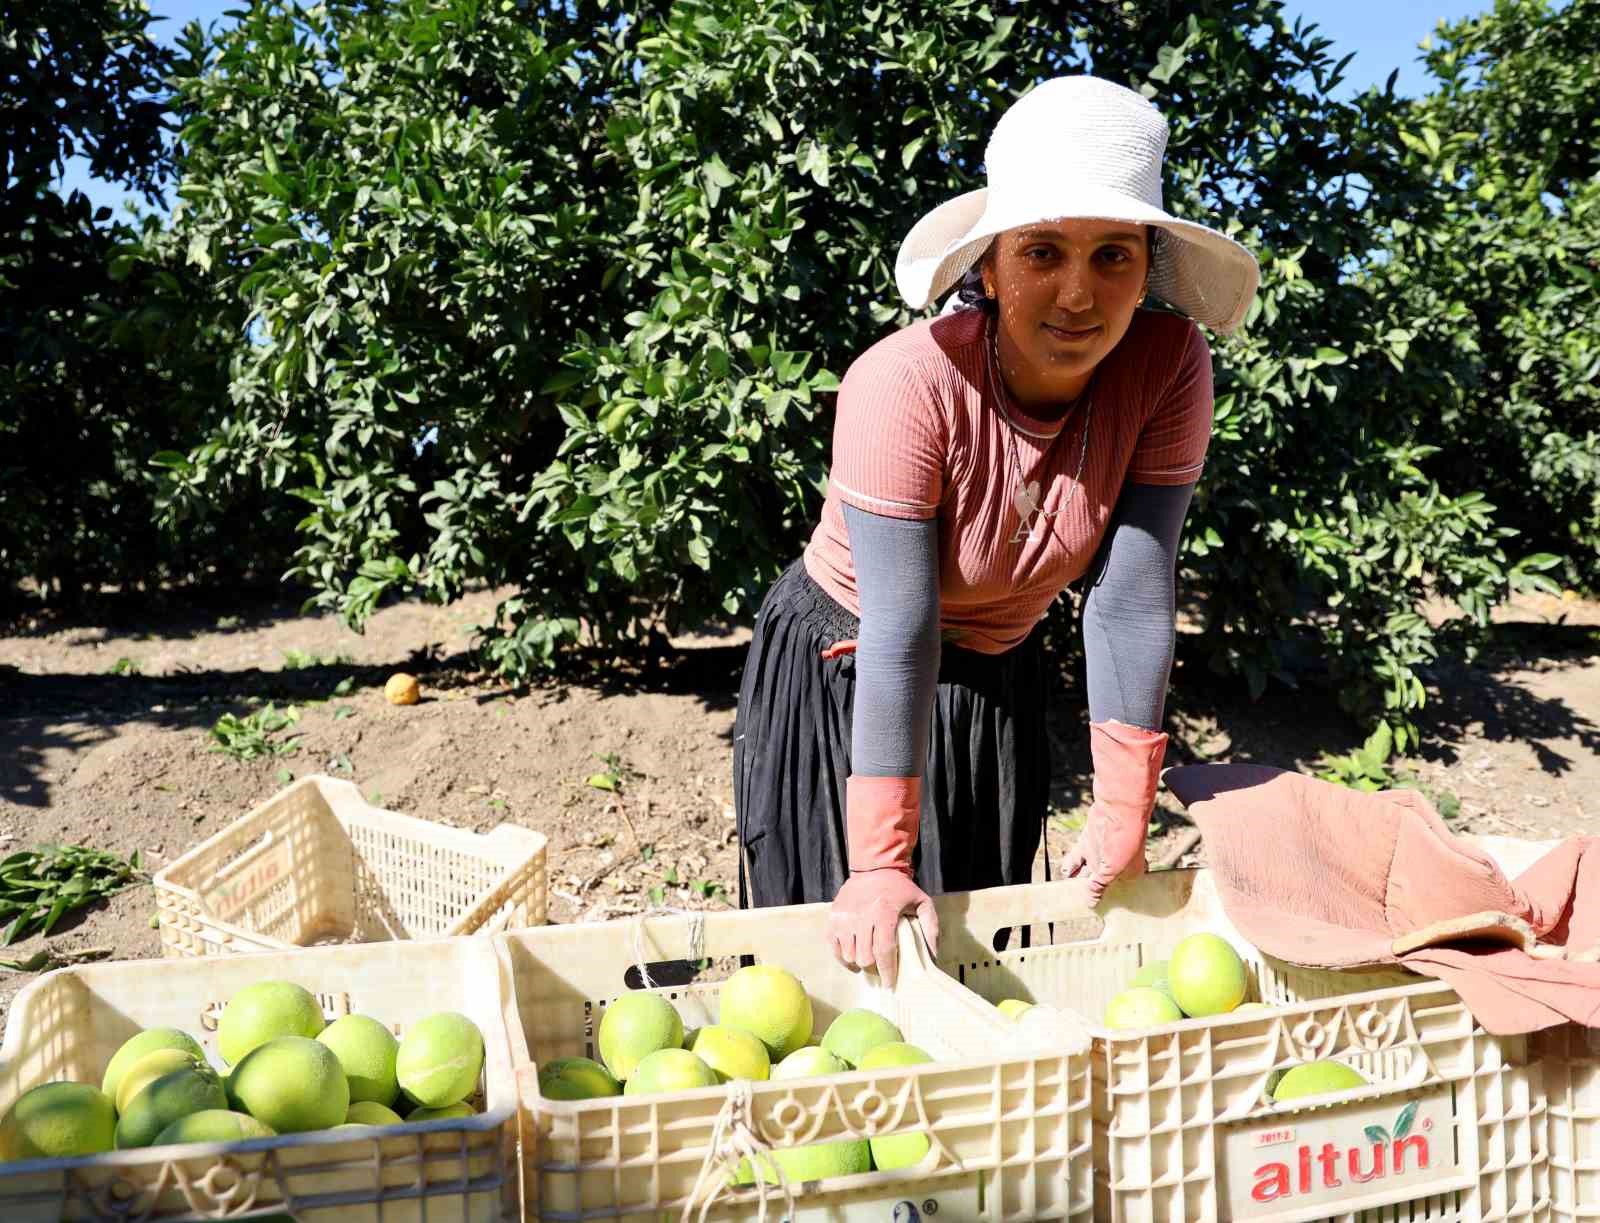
(1202,272)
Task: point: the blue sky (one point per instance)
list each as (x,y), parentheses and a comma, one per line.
(1383,34)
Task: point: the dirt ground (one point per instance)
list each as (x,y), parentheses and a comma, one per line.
(105,739)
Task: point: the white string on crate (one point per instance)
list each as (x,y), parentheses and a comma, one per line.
(697,938)
(733,1139)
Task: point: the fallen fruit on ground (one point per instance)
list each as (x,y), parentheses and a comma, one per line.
(402,689)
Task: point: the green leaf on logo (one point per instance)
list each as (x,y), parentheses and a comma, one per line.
(1376,1133)
(1402,1123)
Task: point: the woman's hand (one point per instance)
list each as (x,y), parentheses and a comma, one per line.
(881,822)
(1127,770)
(866,913)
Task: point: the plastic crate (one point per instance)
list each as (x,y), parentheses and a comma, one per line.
(67,1025)
(1009,1129)
(1570,1057)
(1184,1130)
(317,863)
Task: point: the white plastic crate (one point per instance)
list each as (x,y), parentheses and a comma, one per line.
(316,862)
(67,1025)
(1009,1129)
(1570,1057)
(1184,1129)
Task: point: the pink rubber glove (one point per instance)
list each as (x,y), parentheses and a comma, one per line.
(1127,769)
(882,819)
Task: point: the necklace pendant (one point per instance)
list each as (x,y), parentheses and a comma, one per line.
(1025,498)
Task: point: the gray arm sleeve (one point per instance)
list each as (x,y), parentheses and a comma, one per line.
(1129,610)
(897,650)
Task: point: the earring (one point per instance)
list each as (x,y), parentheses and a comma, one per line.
(1142,296)
(988,292)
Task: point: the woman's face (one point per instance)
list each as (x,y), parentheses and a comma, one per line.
(1067,291)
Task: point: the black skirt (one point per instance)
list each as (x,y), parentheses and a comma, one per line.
(985,789)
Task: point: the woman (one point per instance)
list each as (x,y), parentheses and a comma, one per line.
(890,738)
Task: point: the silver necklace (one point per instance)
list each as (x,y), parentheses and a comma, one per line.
(1025,495)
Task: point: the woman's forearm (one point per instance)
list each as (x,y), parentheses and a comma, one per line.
(896,563)
(1129,608)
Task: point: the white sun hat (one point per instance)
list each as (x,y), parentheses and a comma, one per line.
(1079,147)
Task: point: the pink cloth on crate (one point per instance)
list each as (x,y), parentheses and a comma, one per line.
(1324,876)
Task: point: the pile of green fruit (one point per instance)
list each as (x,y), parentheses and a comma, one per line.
(290,1071)
(763,1031)
(1206,976)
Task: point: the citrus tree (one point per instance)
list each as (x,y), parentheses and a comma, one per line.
(553,295)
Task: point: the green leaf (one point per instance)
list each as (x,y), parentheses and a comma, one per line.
(1402,1123)
(1376,1134)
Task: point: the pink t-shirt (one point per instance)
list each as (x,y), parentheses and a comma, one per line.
(919,434)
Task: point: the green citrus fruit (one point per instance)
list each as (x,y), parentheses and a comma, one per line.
(669,1070)
(141,1043)
(769,1003)
(293,1084)
(576,1078)
(213,1125)
(58,1121)
(1141,1007)
(170,1098)
(854,1033)
(1206,975)
(732,1052)
(1316,1079)
(370,1112)
(440,1059)
(896,1150)
(1012,1008)
(366,1051)
(448,1112)
(265,1011)
(148,1069)
(1153,976)
(635,1026)
(808,1062)
(816,1162)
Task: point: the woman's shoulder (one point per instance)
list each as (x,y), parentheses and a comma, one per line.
(934,348)
(1161,335)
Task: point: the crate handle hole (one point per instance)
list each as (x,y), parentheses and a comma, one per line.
(664,973)
(1081,929)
